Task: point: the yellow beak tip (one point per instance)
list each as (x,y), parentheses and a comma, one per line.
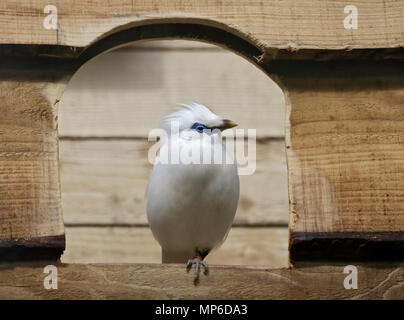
(227,124)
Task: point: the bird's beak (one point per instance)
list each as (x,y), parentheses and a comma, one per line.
(227,124)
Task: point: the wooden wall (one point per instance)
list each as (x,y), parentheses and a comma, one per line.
(105,115)
(344,136)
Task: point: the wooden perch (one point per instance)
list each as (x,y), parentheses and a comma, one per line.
(100,281)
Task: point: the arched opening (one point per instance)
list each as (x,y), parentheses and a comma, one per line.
(112,103)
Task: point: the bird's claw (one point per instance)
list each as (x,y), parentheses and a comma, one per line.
(197,261)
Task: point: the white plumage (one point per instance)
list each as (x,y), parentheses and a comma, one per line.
(191,207)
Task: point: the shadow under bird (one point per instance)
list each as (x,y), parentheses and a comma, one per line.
(191,205)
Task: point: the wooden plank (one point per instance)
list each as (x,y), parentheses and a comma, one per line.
(142,281)
(31,223)
(142,87)
(244,246)
(345,150)
(277,24)
(104,182)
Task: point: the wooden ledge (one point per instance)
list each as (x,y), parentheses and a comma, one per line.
(153,281)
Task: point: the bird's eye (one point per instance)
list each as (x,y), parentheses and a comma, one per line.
(199,127)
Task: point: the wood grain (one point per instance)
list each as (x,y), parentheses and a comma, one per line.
(275,24)
(144,84)
(30,216)
(142,281)
(244,246)
(345,145)
(104,182)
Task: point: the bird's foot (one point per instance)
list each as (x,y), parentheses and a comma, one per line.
(197,261)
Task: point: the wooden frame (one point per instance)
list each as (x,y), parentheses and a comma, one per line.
(344,91)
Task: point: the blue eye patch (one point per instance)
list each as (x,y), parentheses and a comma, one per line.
(199,127)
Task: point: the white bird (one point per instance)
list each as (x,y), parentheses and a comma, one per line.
(191,207)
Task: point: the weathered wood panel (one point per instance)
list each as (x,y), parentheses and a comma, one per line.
(30,218)
(345,150)
(279,24)
(103,281)
(244,246)
(126,93)
(104,182)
